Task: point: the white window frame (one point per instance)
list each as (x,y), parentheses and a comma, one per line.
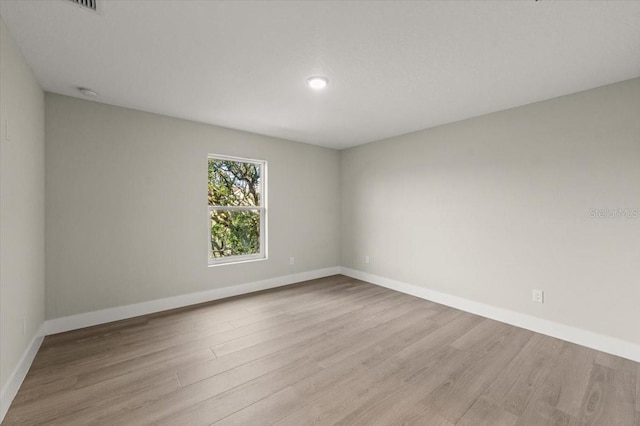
(262,255)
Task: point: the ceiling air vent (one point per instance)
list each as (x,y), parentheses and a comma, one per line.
(87,4)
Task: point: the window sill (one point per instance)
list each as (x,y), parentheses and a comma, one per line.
(236,261)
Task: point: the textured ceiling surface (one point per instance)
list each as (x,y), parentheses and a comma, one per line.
(393,67)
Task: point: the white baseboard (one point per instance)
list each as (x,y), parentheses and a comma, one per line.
(10,389)
(74,322)
(572,334)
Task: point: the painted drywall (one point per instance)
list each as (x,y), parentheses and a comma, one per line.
(127,208)
(22,288)
(490,208)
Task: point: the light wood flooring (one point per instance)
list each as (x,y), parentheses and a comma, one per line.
(333,351)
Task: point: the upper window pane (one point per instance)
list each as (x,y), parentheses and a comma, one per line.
(234,183)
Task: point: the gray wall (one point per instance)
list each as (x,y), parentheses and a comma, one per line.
(491,207)
(21,206)
(127,207)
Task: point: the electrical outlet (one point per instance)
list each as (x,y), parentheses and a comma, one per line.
(292,260)
(366,259)
(537,296)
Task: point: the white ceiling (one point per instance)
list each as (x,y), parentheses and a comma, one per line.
(394,67)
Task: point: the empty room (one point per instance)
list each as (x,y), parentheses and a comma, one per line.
(365,213)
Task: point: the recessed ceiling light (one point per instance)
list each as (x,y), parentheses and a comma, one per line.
(317,82)
(87,92)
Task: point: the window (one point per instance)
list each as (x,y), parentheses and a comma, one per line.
(237,209)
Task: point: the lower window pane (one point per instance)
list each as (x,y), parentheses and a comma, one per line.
(234,233)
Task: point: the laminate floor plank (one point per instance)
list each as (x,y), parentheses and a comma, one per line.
(331,351)
(484,413)
(267,384)
(174,345)
(47,408)
(609,395)
(391,339)
(515,385)
(312,339)
(306,308)
(101,410)
(345,289)
(180,404)
(392,403)
(353,394)
(488,357)
(111,356)
(212,409)
(229,346)
(558,399)
(410,359)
